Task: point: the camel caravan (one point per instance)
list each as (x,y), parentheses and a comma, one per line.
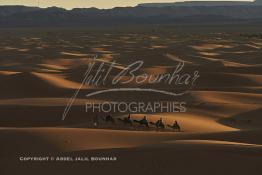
(159,125)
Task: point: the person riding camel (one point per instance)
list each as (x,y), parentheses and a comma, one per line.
(109,119)
(159,121)
(176,126)
(128,120)
(143,122)
(160,124)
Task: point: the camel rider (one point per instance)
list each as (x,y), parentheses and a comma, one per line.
(144,120)
(160,122)
(176,126)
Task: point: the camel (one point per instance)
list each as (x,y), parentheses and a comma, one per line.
(109,119)
(175,126)
(143,122)
(127,120)
(159,124)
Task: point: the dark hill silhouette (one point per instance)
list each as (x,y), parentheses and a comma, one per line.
(9,10)
(197,3)
(258,2)
(20,16)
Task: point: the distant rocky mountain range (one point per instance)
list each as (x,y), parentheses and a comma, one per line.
(21,16)
(198,3)
(202,3)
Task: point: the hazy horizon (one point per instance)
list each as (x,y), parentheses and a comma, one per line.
(104,4)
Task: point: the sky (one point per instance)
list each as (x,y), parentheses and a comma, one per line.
(69,4)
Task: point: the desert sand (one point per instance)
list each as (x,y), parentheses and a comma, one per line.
(221,129)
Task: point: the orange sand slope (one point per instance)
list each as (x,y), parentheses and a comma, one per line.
(37,140)
(149,152)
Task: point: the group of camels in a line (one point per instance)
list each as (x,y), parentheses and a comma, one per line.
(128,121)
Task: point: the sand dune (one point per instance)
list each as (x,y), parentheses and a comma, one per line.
(75,54)
(215,142)
(29,84)
(45,101)
(253,77)
(210,46)
(144,149)
(65,139)
(8,73)
(53,67)
(227,97)
(221,129)
(177,59)
(59,81)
